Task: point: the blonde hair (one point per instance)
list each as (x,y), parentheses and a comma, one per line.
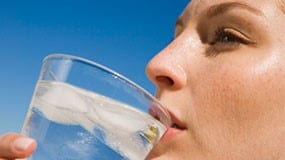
(281,5)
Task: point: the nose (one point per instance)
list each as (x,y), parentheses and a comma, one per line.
(166,69)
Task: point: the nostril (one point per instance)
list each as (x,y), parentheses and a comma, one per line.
(164,80)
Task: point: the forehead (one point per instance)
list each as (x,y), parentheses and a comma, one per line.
(196,7)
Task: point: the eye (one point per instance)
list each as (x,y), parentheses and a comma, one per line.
(229,36)
(226,40)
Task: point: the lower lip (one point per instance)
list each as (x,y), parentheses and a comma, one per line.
(170,133)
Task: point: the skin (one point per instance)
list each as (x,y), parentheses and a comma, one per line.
(222,79)
(13,145)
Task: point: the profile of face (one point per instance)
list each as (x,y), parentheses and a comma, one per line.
(222,79)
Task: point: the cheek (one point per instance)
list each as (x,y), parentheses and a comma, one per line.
(241,94)
(240,104)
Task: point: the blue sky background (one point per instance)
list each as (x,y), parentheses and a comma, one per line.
(121,34)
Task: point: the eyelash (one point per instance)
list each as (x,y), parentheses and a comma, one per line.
(226,39)
(228,36)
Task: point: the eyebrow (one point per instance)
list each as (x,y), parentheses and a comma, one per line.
(222,8)
(179,21)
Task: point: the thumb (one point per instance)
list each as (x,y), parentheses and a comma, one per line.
(13,145)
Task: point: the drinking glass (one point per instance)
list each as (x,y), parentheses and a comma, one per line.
(83,110)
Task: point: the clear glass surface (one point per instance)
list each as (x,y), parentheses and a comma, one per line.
(84,110)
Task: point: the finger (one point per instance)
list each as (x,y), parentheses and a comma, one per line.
(14,145)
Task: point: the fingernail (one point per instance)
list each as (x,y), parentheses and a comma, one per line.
(22,144)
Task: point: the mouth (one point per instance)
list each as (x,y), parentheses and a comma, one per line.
(174,126)
(177,127)
(174,130)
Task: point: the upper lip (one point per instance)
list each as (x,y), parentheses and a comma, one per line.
(176,122)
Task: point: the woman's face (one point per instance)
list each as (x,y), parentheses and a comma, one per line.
(223,81)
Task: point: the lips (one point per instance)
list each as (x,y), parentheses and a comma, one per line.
(176,127)
(177,123)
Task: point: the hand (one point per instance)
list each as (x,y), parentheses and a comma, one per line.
(13,146)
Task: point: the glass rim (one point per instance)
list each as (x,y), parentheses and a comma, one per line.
(113,72)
